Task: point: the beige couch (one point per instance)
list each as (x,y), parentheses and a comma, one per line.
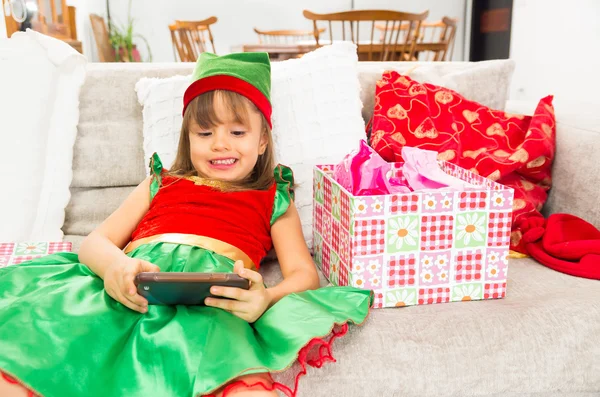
(543,339)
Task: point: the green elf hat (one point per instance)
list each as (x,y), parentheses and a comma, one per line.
(246,73)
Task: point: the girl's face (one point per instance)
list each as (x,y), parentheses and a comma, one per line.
(227,151)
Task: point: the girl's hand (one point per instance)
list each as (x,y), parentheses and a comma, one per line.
(118,282)
(249,304)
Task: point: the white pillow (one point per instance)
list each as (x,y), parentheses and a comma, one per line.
(316,115)
(40,79)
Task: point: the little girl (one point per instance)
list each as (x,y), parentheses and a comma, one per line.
(75,326)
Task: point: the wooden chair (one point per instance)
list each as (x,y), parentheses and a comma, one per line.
(191,38)
(440,32)
(285,36)
(106,52)
(396,45)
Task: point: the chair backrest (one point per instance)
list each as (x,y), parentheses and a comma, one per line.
(285,36)
(191,38)
(440,33)
(396,44)
(106,52)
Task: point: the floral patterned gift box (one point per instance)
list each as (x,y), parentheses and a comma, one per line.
(415,248)
(16,253)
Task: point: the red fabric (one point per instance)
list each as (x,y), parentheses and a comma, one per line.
(242,219)
(566,244)
(316,353)
(229,83)
(514,150)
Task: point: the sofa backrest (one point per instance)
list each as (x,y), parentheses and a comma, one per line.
(108,158)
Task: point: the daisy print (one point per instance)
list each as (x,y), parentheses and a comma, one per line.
(429,202)
(30,248)
(427,276)
(358,266)
(373,266)
(377,206)
(498,200)
(443,276)
(319,187)
(446,202)
(375,281)
(441,261)
(400,298)
(360,206)
(466,293)
(471,229)
(427,261)
(493,257)
(492,271)
(403,233)
(358,281)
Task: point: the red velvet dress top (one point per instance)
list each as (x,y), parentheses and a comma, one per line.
(242,219)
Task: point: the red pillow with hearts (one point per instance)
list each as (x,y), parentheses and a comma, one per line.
(514,150)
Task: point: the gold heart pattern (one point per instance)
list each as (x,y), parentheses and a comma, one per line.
(397,112)
(443,97)
(470,116)
(446,155)
(426,130)
(495,129)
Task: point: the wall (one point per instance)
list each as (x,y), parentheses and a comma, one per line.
(2,27)
(555,46)
(237,18)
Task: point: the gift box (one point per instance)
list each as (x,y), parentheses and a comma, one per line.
(16,253)
(415,248)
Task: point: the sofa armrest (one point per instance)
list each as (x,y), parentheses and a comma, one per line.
(576,168)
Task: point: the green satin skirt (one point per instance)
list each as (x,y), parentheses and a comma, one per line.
(62,335)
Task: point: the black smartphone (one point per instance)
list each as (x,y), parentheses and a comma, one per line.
(184,288)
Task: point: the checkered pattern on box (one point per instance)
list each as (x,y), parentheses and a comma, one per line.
(343,275)
(7,248)
(16,260)
(473,200)
(345,210)
(494,291)
(378,301)
(465,175)
(427,296)
(499,225)
(344,246)
(436,232)
(369,237)
(401,271)
(318,212)
(404,203)
(59,247)
(467,266)
(327,194)
(327,225)
(335,236)
(397,172)
(326,260)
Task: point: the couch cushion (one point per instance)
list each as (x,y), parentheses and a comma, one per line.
(108,150)
(541,338)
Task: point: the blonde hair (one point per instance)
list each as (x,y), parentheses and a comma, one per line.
(202,111)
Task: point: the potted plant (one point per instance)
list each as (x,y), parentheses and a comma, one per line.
(122,39)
